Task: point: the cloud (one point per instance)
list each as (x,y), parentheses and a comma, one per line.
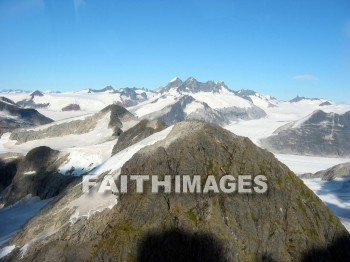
(306,77)
(77,5)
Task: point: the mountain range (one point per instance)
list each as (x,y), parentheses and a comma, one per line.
(185,128)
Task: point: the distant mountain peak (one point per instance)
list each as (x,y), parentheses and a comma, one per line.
(175,79)
(107,88)
(36,93)
(300,98)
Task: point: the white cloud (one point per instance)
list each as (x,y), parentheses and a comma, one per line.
(306,77)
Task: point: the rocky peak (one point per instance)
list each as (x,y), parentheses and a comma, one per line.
(106,89)
(36,93)
(192,85)
(235,220)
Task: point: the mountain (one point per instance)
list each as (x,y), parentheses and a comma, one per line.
(193,100)
(107,89)
(88,100)
(105,124)
(332,186)
(305,100)
(320,133)
(287,223)
(337,171)
(36,174)
(12,116)
(14,91)
(36,93)
(257,99)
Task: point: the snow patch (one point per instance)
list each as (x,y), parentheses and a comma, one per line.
(29,172)
(6,250)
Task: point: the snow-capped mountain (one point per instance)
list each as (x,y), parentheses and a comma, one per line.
(320,133)
(210,101)
(12,116)
(94,135)
(263,101)
(311,101)
(89,100)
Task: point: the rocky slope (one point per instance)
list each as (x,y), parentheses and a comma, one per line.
(287,223)
(12,116)
(35,174)
(322,134)
(116,114)
(140,131)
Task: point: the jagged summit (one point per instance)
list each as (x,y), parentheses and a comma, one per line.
(106,89)
(192,85)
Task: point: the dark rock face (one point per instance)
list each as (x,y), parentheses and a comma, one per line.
(36,174)
(18,117)
(71,107)
(288,223)
(137,133)
(322,134)
(8,169)
(284,224)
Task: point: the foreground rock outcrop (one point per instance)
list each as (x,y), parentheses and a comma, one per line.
(287,223)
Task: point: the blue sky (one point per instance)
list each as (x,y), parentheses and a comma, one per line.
(282,48)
